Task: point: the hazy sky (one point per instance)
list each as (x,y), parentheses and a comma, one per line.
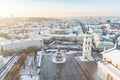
(59,8)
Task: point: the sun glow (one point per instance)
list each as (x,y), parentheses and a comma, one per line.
(4,11)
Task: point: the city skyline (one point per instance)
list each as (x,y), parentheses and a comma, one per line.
(59,8)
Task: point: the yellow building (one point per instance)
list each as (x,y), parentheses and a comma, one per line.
(109,68)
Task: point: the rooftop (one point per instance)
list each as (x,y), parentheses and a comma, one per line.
(111,68)
(4,41)
(114,55)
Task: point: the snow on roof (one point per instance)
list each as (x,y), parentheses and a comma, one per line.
(1,38)
(114,55)
(107,43)
(46,36)
(37,38)
(1,57)
(4,41)
(39,52)
(111,68)
(61,35)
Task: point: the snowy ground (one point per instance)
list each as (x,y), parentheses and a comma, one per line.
(4,60)
(29,71)
(27,77)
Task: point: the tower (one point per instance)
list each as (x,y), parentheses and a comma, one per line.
(87,44)
(11,19)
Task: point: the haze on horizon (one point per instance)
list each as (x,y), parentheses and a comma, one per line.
(59,8)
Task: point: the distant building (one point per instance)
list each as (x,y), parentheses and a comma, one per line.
(11,19)
(108,21)
(115,25)
(105,29)
(106,44)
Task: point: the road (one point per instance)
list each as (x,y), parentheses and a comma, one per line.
(84,31)
(6,68)
(82,27)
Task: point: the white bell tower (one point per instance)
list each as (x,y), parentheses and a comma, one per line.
(87,44)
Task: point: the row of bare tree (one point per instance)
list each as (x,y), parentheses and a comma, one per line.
(13,74)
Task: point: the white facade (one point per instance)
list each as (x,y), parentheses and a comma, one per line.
(118,41)
(8,45)
(109,69)
(87,43)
